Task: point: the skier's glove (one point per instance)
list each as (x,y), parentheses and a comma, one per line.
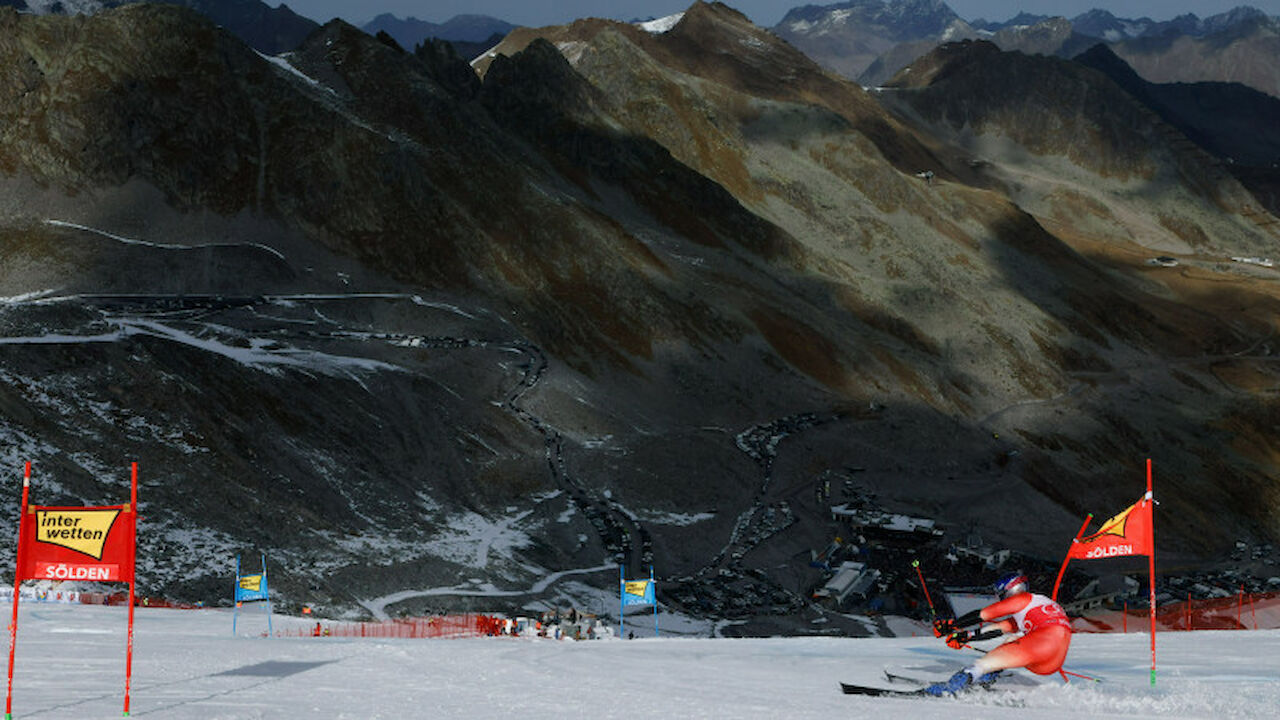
(943,627)
(958,639)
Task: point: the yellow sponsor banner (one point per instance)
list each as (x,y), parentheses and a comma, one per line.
(84,531)
(251,582)
(637,587)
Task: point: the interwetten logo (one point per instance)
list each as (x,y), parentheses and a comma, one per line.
(84,531)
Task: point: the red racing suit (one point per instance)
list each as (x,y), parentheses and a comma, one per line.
(1046,634)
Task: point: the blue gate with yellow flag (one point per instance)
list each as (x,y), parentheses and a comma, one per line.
(251,588)
(637,592)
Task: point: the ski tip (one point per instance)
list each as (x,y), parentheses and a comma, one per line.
(850,689)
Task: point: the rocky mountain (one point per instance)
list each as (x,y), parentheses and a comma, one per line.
(1102,24)
(271,30)
(1232,121)
(1022,19)
(873,40)
(1246,52)
(848,37)
(466,30)
(423,333)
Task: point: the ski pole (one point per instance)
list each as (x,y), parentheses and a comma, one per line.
(916,564)
(1076,674)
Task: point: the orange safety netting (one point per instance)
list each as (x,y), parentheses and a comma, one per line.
(436,626)
(1243,611)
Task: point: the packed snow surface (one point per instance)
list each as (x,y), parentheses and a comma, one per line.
(188,666)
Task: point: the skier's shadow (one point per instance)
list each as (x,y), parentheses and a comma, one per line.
(270,671)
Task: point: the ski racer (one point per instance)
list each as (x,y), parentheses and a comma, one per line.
(1042,648)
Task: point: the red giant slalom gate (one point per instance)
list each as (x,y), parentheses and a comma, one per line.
(92,544)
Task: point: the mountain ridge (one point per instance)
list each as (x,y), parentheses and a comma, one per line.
(1235,45)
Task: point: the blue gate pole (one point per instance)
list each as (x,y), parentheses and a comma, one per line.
(267,587)
(654,587)
(235,598)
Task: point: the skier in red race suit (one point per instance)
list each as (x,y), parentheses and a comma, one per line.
(1046,635)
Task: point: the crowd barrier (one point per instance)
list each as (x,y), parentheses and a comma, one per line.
(436,626)
(1243,611)
(78,597)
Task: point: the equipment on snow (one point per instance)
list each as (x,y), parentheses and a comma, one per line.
(849,689)
(967,684)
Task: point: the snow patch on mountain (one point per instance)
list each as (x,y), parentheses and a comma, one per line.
(26,297)
(282,62)
(147,243)
(677,519)
(471,539)
(572,50)
(268,355)
(663,24)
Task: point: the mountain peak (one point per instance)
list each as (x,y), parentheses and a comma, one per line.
(905,19)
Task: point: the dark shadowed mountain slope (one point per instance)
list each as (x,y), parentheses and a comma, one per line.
(271,30)
(749,134)
(268,29)
(369,156)
(632,297)
(1232,121)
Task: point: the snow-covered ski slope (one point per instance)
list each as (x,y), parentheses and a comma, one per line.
(188,666)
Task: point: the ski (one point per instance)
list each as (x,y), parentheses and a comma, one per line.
(896,678)
(921,688)
(849,689)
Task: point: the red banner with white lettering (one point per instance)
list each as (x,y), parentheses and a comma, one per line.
(1131,532)
(88,544)
(77,543)
(1128,533)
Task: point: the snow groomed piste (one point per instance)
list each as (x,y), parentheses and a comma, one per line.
(187,666)
(197,670)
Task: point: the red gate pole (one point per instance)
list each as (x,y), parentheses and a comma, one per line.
(1124,619)
(1151,574)
(133,543)
(1067,559)
(17,583)
(1240,608)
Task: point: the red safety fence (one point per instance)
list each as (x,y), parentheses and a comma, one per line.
(1243,611)
(436,626)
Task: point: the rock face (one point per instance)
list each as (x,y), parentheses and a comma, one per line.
(623,297)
